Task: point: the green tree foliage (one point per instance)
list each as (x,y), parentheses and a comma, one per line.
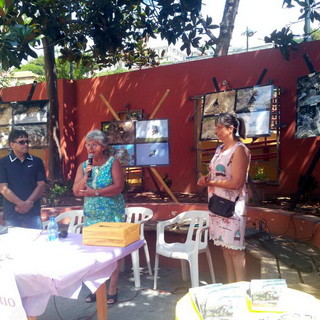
(4,79)
(36,66)
(100,33)
(91,33)
(315,35)
(284,39)
(65,70)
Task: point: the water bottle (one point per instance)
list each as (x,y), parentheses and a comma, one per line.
(53,229)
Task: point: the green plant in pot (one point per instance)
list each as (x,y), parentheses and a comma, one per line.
(259,175)
(54,192)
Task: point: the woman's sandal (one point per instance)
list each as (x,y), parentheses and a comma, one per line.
(91,298)
(112,298)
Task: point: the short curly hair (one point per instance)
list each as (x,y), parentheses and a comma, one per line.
(99,136)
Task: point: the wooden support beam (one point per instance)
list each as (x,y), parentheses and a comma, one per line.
(33,87)
(155,172)
(261,77)
(215,83)
(159,104)
(106,102)
(309,64)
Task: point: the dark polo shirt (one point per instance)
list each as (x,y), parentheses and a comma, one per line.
(22,178)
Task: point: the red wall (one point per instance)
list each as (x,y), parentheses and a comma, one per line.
(83,109)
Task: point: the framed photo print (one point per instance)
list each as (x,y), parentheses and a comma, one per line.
(308,106)
(4,135)
(125,153)
(152,154)
(139,143)
(254,99)
(5,114)
(119,132)
(257,123)
(219,102)
(131,115)
(38,134)
(31,116)
(152,131)
(30,112)
(207,131)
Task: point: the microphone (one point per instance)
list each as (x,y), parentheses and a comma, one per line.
(90,161)
(63,234)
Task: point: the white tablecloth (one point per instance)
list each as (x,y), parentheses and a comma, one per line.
(45,268)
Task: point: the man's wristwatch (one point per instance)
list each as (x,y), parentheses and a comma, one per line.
(96,193)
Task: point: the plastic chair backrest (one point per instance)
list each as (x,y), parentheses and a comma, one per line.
(138,215)
(75,218)
(193,219)
(197,219)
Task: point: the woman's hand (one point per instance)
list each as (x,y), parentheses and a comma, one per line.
(203,181)
(87,170)
(87,192)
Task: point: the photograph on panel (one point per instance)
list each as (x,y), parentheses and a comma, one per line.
(218,102)
(308,106)
(124,153)
(254,99)
(152,130)
(119,132)
(152,154)
(207,131)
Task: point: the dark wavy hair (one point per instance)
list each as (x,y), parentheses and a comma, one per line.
(228,120)
(16,134)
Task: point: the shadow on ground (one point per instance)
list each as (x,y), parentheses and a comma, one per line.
(143,303)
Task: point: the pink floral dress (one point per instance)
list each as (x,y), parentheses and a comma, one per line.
(227,232)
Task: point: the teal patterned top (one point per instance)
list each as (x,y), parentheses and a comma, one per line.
(102,209)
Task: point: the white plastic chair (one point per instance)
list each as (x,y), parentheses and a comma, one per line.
(140,215)
(197,221)
(75,218)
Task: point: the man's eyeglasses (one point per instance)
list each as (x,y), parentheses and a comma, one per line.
(23,142)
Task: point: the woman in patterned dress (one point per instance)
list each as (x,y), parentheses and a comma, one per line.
(101,184)
(227,178)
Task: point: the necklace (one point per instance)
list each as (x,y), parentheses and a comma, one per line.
(100,162)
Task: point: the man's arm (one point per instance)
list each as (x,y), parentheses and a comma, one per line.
(10,195)
(22,206)
(35,195)
(37,192)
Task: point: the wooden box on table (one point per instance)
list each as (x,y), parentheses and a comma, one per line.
(111,234)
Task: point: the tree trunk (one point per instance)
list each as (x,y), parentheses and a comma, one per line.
(54,133)
(226,27)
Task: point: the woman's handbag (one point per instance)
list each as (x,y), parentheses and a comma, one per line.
(221,206)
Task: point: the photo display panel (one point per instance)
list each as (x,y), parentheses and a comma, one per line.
(31,116)
(213,105)
(308,106)
(253,105)
(139,143)
(219,102)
